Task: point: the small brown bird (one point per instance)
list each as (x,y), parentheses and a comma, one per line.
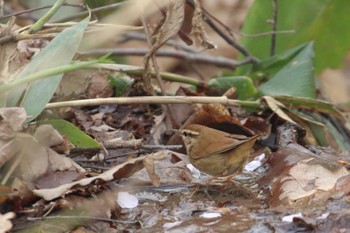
(215,152)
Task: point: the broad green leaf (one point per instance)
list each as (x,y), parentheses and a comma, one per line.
(331,34)
(58,52)
(295,79)
(244,86)
(324,21)
(268,67)
(74,134)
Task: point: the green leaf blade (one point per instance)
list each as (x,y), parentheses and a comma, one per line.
(244,86)
(73,133)
(60,51)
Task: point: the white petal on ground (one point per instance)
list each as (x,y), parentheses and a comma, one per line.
(210,215)
(195,172)
(126,200)
(251,166)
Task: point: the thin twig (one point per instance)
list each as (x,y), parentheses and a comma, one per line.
(203,58)
(46,17)
(171,42)
(137,70)
(92,11)
(79,217)
(155,100)
(229,30)
(229,40)
(102,168)
(161,147)
(274,27)
(35,9)
(57,27)
(170,110)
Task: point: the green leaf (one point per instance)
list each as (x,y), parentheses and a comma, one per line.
(58,52)
(295,79)
(121,83)
(324,21)
(268,67)
(311,104)
(244,86)
(331,34)
(61,13)
(329,135)
(74,134)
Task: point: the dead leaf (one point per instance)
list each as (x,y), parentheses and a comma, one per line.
(47,135)
(307,177)
(31,154)
(12,61)
(123,170)
(13,117)
(198,28)
(158,128)
(170,167)
(276,107)
(148,162)
(55,179)
(120,171)
(300,178)
(175,14)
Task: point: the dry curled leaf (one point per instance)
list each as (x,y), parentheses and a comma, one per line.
(11,56)
(148,162)
(29,156)
(198,29)
(175,14)
(123,170)
(120,171)
(158,128)
(276,107)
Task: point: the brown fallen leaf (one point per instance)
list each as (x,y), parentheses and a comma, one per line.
(28,157)
(300,178)
(148,162)
(123,170)
(277,107)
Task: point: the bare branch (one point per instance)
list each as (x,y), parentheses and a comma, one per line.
(188,57)
(274,27)
(154,100)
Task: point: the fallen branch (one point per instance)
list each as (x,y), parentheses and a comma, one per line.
(155,100)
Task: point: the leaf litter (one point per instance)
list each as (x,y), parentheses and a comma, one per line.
(128,187)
